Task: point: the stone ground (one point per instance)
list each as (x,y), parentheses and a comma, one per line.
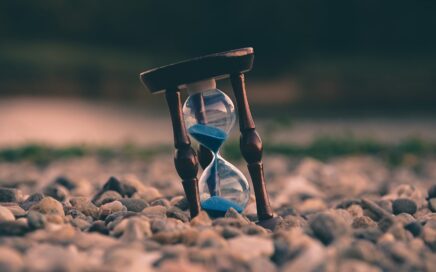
(346,214)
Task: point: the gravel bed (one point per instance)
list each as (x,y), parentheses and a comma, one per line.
(348,214)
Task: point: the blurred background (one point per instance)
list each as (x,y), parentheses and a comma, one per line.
(345,68)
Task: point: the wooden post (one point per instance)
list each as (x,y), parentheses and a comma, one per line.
(251,147)
(185,159)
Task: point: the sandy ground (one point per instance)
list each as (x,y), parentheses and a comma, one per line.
(73,121)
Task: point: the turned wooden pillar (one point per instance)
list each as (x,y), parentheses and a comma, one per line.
(185,159)
(251,147)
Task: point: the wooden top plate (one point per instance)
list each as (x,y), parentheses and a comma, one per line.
(219,65)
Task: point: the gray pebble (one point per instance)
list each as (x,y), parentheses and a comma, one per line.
(9,195)
(85,206)
(177,213)
(432,191)
(36,220)
(106,197)
(432,204)
(13,228)
(31,200)
(161,202)
(58,192)
(134,204)
(404,205)
(327,227)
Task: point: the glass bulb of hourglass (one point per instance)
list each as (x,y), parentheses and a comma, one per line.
(209,116)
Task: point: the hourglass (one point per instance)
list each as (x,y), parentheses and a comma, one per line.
(208,115)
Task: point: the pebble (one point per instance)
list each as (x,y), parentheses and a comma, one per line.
(155,212)
(31,200)
(229,232)
(13,228)
(10,260)
(6,214)
(293,249)
(133,204)
(232,213)
(432,205)
(36,220)
(49,206)
(180,202)
(85,206)
(65,182)
(58,192)
(404,205)
(107,197)
(327,227)
(174,212)
(110,208)
(201,220)
(9,195)
(161,202)
(166,224)
(432,192)
(414,227)
(100,227)
(16,210)
(80,223)
(210,239)
(363,222)
(136,229)
(250,247)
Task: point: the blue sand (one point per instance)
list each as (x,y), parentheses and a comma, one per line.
(217,206)
(210,137)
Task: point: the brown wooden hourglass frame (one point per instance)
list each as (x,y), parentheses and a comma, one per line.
(174,77)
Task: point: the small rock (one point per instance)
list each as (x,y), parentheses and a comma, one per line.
(13,228)
(355,210)
(49,206)
(16,210)
(36,220)
(58,192)
(250,247)
(107,197)
(229,232)
(232,213)
(327,227)
(432,204)
(210,239)
(357,266)
(85,206)
(9,195)
(299,251)
(262,265)
(118,216)
(155,212)
(110,208)
(201,220)
(6,214)
(363,222)
(312,205)
(370,234)
(136,230)
(404,205)
(10,260)
(180,202)
(65,182)
(149,194)
(161,202)
(80,223)
(432,191)
(31,200)
(429,237)
(177,213)
(253,229)
(133,204)
(100,227)
(166,224)
(414,227)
